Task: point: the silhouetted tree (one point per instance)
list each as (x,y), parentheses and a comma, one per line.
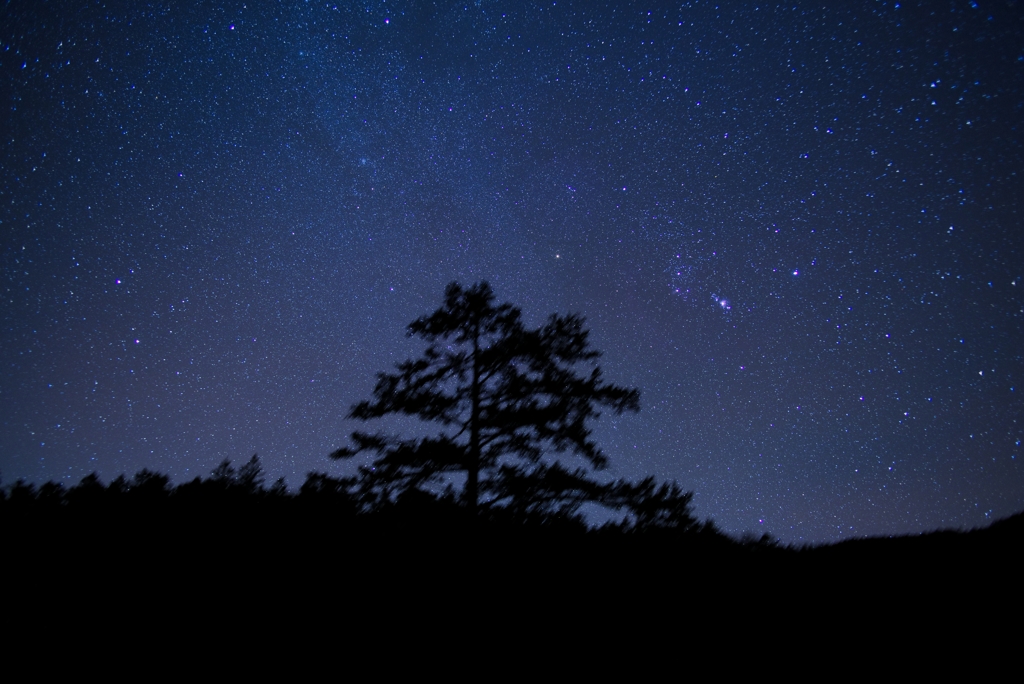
(51,494)
(655,507)
(150,484)
(244,483)
(90,492)
(503,395)
(546,490)
(250,476)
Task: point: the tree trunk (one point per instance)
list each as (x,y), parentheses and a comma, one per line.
(473,474)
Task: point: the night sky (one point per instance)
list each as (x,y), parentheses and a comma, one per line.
(796,229)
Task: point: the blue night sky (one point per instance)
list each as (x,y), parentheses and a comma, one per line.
(796,229)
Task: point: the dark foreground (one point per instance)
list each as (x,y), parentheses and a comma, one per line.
(258,574)
(228,567)
(293,547)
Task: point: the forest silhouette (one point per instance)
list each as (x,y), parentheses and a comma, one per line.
(484,501)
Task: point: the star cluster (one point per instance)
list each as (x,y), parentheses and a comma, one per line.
(796,229)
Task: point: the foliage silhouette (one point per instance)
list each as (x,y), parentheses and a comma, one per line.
(504,396)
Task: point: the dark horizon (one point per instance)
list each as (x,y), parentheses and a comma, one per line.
(796,230)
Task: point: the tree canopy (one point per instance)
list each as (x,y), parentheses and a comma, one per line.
(504,396)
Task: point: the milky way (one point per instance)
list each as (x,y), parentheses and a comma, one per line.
(796,229)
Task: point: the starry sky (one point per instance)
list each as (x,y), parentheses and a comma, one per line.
(795,228)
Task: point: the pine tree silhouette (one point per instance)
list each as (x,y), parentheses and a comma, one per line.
(503,396)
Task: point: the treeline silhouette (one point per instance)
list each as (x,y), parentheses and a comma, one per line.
(233,548)
(235,506)
(228,495)
(233,522)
